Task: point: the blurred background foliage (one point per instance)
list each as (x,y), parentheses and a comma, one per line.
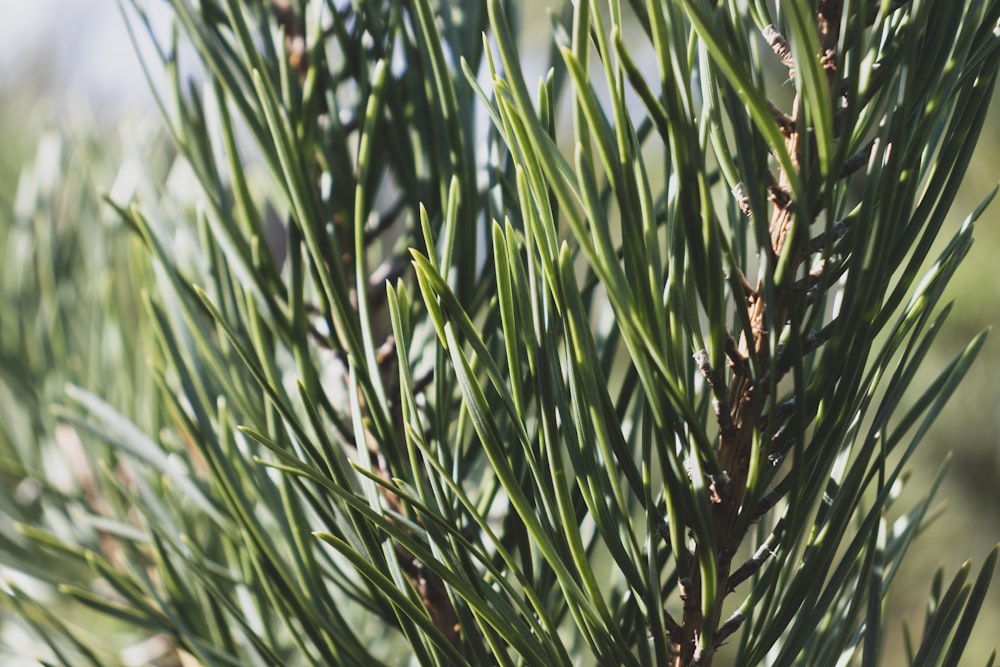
(69,281)
(69,314)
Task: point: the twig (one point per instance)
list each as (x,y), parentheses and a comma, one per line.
(785,360)
(857,161)
(673,627)
(727,629)
(750,567)
(779,45)
(719,402)
(779,196)
(736,359)
(837,231)
(767,503)
(662,529)
(785,122)
(780,413)
(742,200)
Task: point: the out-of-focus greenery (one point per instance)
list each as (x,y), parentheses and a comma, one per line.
(968,431)
(70,314)
(85,362)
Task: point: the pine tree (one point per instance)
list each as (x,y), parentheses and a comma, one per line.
(445,369)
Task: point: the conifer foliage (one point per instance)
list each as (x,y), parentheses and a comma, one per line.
(443,365)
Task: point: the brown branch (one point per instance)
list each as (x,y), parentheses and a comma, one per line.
(737,359)
(715,382)
(745,396)
(673,627)
(780,195)
(780,46)
(785,122)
